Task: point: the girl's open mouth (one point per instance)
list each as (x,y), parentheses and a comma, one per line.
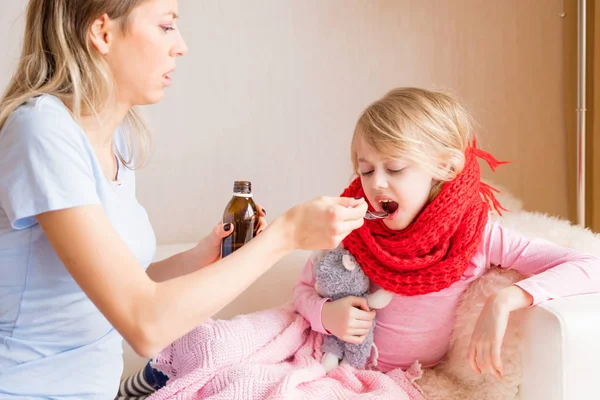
(389,206)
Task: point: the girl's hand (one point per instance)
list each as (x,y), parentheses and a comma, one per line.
(486,342)
(348,318)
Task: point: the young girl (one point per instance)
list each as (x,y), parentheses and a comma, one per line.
(416,158)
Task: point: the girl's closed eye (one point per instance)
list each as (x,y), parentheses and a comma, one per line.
(167,28)
(395,171)
(391,171)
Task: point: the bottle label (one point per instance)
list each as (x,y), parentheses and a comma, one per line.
(242,195)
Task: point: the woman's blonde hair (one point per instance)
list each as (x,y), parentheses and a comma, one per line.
(58,58)
(428,128)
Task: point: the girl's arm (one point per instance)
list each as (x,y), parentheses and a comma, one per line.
(306,299)
(556,271)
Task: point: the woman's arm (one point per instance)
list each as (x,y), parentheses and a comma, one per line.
(149,314)
(206,252)
(179,264)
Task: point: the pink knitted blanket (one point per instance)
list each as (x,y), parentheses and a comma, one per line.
(271,354)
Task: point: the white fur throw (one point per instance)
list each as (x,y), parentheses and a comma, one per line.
(453,379)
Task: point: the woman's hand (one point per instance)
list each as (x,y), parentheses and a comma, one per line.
(323,222)
(208,250)
(484,354)
(262,220)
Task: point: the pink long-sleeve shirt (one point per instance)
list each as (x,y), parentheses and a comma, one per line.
(412,328)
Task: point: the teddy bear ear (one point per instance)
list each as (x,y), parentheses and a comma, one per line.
(348,263)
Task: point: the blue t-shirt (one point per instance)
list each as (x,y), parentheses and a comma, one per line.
(54,343)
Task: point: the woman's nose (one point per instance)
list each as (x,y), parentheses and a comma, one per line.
(180,48)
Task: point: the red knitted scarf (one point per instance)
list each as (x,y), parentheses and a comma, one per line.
(435,249)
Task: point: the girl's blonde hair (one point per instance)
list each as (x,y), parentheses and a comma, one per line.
(428,128)
(58,58)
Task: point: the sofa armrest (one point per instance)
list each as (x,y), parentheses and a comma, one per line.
(561,346)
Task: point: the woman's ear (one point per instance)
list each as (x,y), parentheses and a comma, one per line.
(101,34)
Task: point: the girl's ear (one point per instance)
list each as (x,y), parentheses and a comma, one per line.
(445,169)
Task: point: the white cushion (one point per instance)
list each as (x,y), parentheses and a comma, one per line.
(561,349)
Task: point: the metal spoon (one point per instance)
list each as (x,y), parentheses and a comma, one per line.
(371,215)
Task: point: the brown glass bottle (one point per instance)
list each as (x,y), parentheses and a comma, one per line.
(242,213)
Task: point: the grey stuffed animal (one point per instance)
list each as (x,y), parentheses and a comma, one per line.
(338,275)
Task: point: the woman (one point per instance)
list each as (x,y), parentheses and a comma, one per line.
(75,245)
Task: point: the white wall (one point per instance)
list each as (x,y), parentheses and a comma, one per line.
(271,89)
(12,22)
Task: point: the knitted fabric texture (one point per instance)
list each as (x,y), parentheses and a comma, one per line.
(269,355)
(435,249)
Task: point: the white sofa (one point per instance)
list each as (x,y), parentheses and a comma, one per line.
(561,338)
